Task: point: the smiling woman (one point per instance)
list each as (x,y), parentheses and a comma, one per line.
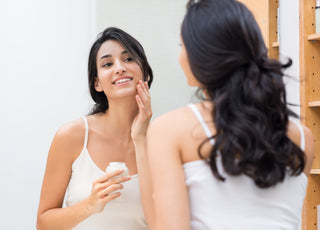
(114,52)
(119,79)
(116,68)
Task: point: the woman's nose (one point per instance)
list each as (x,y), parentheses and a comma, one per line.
(120,68)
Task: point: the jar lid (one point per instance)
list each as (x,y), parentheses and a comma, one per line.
(117,163)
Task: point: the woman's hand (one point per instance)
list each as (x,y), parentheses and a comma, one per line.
(102,188)
(141,121)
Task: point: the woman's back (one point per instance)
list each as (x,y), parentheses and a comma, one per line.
(237,202)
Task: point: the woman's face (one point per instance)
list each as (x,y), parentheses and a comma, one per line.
(118,73)
(184,63)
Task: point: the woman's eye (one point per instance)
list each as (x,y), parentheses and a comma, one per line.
(128,59)
(107,64)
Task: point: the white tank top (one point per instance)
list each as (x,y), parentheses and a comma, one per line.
(123,213)
(237,203)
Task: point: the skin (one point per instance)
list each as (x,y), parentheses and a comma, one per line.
(120,130)
(173,140)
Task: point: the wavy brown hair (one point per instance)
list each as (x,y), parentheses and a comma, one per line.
(227,55)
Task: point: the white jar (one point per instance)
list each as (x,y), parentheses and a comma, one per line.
(118,165)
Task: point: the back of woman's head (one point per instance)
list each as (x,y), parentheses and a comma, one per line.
(134,49)
(228,56)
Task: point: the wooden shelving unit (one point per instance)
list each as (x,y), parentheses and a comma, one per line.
(314,104)
(265,13)
(275,44)
(314,37)
(315,171)
(310,104)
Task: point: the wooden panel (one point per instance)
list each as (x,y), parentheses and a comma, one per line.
(265,13)
(310,102)
(316,159)
(259,9)
(313,63)
(273,29)
(313,122)
(311,202)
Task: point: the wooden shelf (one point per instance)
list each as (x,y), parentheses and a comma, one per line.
(314,37)
(275,44)
(314,104)
(315,171)
(309,96)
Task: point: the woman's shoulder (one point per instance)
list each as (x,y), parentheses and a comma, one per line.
(305,135)
(72,130)
(176,123)
(178,116)
(296,134)
(70,137)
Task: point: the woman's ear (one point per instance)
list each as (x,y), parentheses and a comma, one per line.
(97,85)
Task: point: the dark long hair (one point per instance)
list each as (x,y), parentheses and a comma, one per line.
(135,50)
(228,57)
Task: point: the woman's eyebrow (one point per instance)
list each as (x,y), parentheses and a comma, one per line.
(109,55)
(124,52)
(105,56)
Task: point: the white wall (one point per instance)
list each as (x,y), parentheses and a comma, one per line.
(156,25)
(289,47)
(43,58)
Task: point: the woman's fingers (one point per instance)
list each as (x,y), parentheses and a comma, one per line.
(144,99)
(110,175)
(110,189)
(117,180)
(143,91)
(111,197)
(139,102)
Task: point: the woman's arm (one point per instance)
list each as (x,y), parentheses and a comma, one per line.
(170,191)
(295,136)
(65,146)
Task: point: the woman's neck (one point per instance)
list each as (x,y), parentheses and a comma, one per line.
(119,116)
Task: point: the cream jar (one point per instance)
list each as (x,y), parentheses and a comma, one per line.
(118,165)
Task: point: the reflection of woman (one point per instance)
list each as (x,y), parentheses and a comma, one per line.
(233,161)
(82,149)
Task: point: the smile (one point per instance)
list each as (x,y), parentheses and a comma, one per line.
(122,80)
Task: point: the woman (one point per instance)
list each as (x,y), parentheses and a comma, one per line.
(119,77)
(235,160)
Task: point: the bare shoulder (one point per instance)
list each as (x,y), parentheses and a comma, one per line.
(295,135)
(68,130)
(172,121)
(65,147)
(69,139)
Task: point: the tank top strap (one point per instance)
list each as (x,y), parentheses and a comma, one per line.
(302,138)
(87,131)
(202,122)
